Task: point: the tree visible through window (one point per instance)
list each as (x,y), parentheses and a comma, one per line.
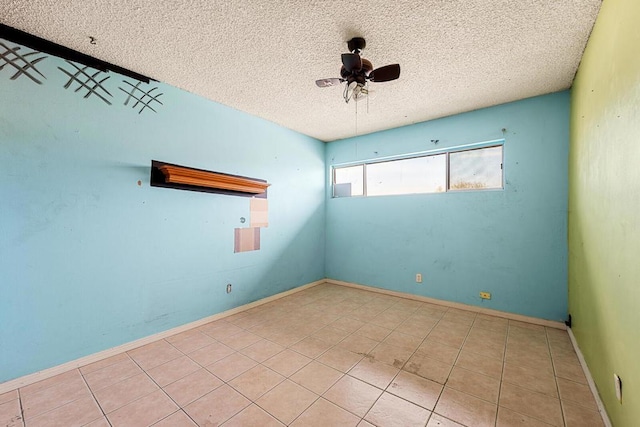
(475,169)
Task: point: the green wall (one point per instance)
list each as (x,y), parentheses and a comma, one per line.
(604,207)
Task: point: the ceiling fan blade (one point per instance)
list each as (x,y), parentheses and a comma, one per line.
(351,61)
(328,82)
(385,74)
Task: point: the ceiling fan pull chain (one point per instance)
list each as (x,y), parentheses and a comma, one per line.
(356,118)
(367,98)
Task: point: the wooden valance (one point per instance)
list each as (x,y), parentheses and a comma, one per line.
(186,178)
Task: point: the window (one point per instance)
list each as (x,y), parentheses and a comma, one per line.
(475,169)
(408,176)
(348,181)
(455,170)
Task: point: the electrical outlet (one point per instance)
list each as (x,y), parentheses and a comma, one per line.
(618,385)
(419,278)
(485,295)
(229,288)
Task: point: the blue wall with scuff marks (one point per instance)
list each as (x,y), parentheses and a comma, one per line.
(512,242)
(90,260)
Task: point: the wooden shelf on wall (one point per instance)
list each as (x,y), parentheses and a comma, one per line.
(182,175)
(185,178)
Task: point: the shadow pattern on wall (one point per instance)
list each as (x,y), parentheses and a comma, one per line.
(24,65)
(85,80)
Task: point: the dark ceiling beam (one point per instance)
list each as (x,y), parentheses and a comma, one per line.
(45,46)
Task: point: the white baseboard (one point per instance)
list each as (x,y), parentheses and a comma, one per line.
(491,312)
(95,357)
(592,383)
(83,361)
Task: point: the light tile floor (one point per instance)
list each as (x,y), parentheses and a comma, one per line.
(326,356)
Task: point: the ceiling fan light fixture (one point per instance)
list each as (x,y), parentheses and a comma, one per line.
(365,93)
(350,90)
(358,71)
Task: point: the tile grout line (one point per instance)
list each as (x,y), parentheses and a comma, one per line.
(536,391)
(272,415)
(300,414)
(21,408)
(135,400)
(394,377)
(167,394)
(458,356)
(180,408)
(504,362)
(344,374)
(445,381)
(409,358)
(452,366)
(293,373)
(254,402)
(395,329)
(364,356)
(250,399)
(555,376)
(95,399)
(57,407)
(404,364)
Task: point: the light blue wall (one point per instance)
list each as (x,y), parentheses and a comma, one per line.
(512,243)
(90,260)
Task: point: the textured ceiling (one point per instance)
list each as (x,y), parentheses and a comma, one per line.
(263,57)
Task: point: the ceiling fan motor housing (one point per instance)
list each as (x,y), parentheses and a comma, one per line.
(360,79)
(366,68)
(356,44)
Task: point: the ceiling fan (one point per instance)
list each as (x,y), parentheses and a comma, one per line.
(357,72)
